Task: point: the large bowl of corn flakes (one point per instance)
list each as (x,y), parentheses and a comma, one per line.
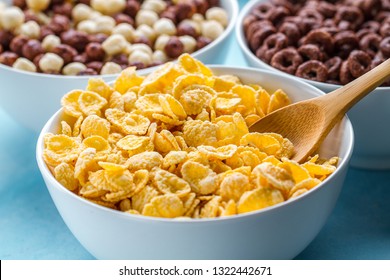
(165,166)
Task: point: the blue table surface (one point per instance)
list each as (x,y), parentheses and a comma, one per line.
(31,227)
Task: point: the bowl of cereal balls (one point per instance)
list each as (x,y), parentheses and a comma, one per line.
(327,44)
(48,47)
(165,166)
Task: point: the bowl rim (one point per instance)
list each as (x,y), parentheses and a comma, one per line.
(239,32)
(233,5)
(53,183)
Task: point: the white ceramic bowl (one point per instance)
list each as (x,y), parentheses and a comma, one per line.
(278,232)
(369,117)
(31,98)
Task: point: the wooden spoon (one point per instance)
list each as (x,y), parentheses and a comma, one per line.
(307,123)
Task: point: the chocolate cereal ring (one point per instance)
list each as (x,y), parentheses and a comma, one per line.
(271,46)
(370,43)
(345,74)
(385,47)
(333,64)
(313,70)
(263,10)
(258,38)
(321,38)
(345,42)
(287,60)
(350,14)
(291,30)
(310,52)
(359,62)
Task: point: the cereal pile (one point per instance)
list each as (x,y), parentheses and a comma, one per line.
(90,37)
(176,144)
(325,41)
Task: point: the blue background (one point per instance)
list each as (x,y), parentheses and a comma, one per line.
(31,227)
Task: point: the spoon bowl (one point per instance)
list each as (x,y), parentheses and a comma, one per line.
(307,123)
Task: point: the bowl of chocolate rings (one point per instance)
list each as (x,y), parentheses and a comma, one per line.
(48,47)
(327,44)
(164,166)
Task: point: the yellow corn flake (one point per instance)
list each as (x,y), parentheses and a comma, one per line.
(306,184)
(140,199)
(70,103)
(194,100)
(229,209)
(316,170)
(234,185)
(297,172)
(110,166)
(191,65)
(167,182)
(210,209)
(116,101)
(128,123)
(172,107)
(226,105)
(298,193)
(265,143)
(246,156)
(64,174)
(164,206)
(66,129)
(259,198)
(94,125)
(77,126)
(99,86)
(127,79)
(272,159)
(133,142)
(125,205)
(101,145)
(167,120)
(149,104)
(222,153)
(60,148)
(247,96)
(198,133)
(252,119)
(174,158)
(201,178)
(91,192)
(129,99)
(262,102)
(91,103)
(85,163)
(144,160)
(223,83)
(120,180)
(188,80)
(140,179)
(268,175)
(278,100)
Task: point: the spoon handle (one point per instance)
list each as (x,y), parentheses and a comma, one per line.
(339,101)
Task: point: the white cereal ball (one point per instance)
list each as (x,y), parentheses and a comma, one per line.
(199,18)
(164,26)
(194,24)
(50,42)
(95,15)
(161,42)
(24,64)
(30,29)
(140,56)
(81,12)
(146,17)
(38,5)
(159,57)
(141,47)
(189,43)
(105,24)
(144,30)
(114,44)
(218,14)
(43,18)
(12,18)
(126,30)
(108,7)
(51,62)
(110,68)
(87,26)
(212,29)
(154,5)
(73,68)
